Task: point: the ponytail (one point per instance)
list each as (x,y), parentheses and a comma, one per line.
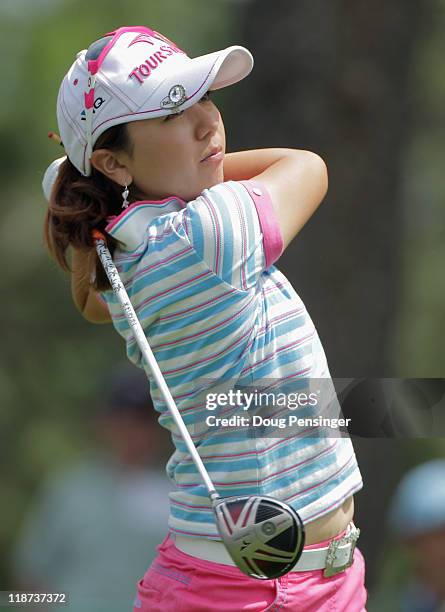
(79,204)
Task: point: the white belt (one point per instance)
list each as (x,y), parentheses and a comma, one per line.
(334,558)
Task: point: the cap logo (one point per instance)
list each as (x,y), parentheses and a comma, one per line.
(176,97)
(144,70)
(98,102)
(149,36)
(145,38)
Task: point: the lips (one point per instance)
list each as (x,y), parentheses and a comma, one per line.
(213,151)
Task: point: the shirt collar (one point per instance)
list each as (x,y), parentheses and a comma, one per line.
(130,227)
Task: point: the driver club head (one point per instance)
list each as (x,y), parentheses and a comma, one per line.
(264,536)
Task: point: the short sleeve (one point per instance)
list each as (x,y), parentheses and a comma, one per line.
(234,230)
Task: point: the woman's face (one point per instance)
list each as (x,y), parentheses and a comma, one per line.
(168,152)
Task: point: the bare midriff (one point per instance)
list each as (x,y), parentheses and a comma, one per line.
(330,524)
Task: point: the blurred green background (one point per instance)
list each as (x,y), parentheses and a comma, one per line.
(360,83)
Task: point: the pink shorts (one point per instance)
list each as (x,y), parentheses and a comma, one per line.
(178,582)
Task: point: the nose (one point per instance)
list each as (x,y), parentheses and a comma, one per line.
(207,119)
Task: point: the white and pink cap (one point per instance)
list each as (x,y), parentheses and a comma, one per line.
(135,73)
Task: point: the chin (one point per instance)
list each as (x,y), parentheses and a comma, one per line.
(205,184)
(219,178)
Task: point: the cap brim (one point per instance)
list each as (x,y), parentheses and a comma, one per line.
(212,71)
(228,66)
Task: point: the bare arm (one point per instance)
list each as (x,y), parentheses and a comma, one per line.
(86,299)
(297,182)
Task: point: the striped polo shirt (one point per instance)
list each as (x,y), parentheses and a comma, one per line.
(220,316)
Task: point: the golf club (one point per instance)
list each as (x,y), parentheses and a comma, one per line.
(264,537)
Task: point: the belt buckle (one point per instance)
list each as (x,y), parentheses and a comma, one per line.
(349,538)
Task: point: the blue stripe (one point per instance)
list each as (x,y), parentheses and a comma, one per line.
(197,237)
(167,270)
(227,251)
(185,321)
(210,338)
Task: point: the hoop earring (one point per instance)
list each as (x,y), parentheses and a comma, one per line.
(125,196)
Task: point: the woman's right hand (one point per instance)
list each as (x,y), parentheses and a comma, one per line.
(88,302)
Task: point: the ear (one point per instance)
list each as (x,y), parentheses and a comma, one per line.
(112,165)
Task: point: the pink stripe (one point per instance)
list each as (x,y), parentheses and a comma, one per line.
(211,357)
(322,482)
(208,329)
(248,482)
(134,205)
(269,448)
(202,405)
(243,237)
(158,237)
(161,293)
(159,262)
(297,465)
(281,317)
(280,350)
(280,472)
(196,407)
(274,287)
(217,232)
(193,533)
(129,257)
(226,411)
(255,452)
(249,346)
(288,377)
(94,65)
(336,503)
(272,239)
(244,453)
(240,482)
(89,99)
(178,313)
(178,503)
(200,305)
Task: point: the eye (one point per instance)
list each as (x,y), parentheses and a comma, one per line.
(206,96)
(173,115)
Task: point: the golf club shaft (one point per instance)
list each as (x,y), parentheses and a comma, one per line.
(149,358)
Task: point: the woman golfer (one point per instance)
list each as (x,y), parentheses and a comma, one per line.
(195,233)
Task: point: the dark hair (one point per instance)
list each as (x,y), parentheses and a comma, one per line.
(79,204)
